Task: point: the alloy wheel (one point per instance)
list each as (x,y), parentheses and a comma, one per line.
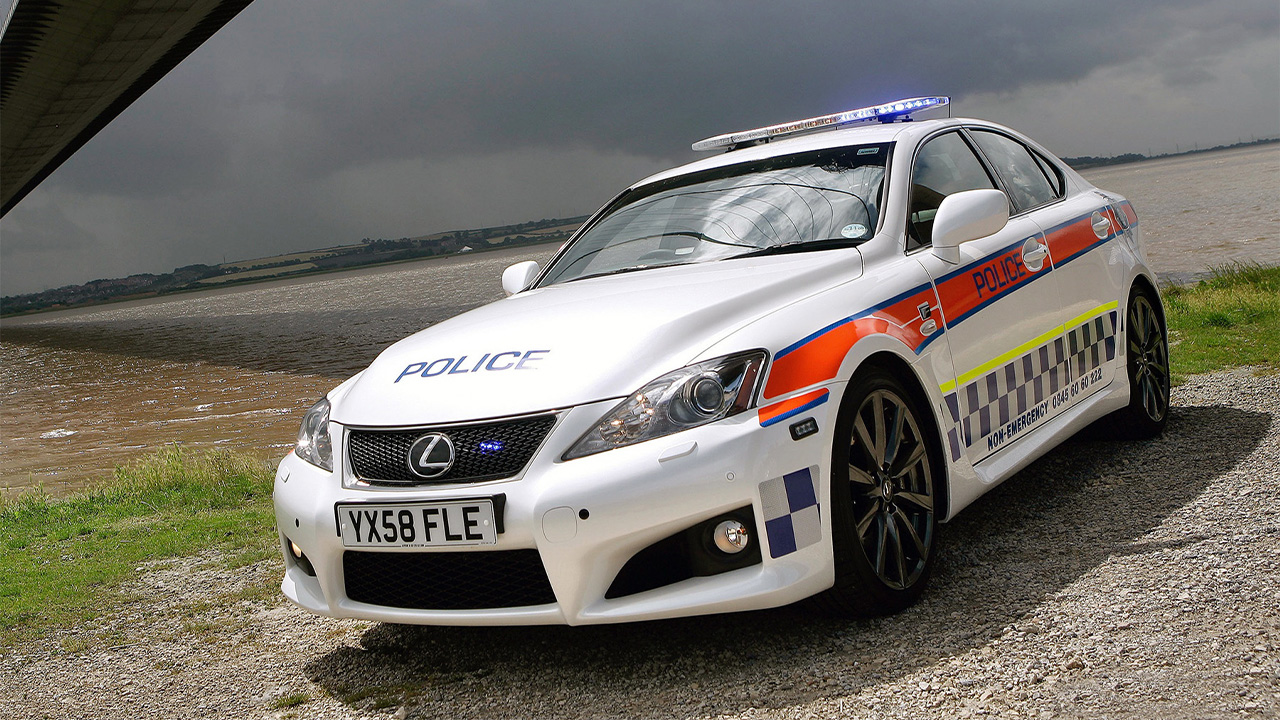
(1149,358)
(892,487)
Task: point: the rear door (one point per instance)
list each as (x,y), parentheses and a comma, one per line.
(1079,231)
(1000,307)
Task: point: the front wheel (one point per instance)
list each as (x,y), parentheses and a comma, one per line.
(885,481)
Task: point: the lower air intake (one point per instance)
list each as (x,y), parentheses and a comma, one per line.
(447,581)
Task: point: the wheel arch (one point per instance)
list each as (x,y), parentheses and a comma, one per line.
(1141,281)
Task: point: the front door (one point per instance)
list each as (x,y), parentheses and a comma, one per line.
(1000,306)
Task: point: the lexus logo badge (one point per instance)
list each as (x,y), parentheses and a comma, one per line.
(431,455)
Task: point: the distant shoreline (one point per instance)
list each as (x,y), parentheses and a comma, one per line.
(438,246)
(240,284)
(1088,162)
(396,252)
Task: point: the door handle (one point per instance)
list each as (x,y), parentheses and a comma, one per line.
(1033,254)
(1101,225)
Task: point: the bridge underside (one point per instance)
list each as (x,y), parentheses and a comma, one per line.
(68,68)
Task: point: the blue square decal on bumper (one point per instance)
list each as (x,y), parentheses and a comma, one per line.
(790,507)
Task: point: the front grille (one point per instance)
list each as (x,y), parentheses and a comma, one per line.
(482,452)
(447,581)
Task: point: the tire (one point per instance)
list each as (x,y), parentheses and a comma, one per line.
(1147,350)
(886,476)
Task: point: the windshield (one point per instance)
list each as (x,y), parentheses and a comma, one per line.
(814,200)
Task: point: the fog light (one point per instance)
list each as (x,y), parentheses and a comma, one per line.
(731,537)
(300,559)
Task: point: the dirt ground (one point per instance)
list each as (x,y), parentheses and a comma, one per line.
(1109,580)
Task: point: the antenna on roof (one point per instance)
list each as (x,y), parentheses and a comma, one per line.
(888,112)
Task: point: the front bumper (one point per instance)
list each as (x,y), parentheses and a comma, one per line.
(633,497)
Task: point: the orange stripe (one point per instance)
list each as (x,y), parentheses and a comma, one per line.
(978,284)
(770,412)
(1071,239)
(819,359)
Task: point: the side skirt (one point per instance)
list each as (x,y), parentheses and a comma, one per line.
(1003,464)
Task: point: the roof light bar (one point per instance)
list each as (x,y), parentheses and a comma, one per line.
(885,113)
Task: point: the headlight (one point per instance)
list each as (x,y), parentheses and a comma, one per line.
(691,396)
(314,444)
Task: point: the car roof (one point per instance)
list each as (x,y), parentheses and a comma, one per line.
(867,134)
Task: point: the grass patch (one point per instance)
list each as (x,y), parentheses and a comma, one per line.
(64,561)
(1229,320)
(289,701)
(381,697)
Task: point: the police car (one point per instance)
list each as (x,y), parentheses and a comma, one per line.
(768,375)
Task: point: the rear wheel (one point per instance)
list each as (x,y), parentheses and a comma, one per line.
(1147,349)
(886,467)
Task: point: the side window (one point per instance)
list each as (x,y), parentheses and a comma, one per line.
(945,165)
(1025,181)
(1051,172)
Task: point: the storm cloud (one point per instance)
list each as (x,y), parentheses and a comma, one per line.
(308,125)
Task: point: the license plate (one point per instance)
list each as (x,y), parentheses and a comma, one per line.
(409,525)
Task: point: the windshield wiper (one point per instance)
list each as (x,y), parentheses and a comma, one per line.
(800,246)
(619,271)
(701,237)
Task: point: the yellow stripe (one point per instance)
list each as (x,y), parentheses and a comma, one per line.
(1003,358)
(1078,320)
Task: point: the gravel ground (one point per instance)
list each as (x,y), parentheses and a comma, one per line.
(1108,580)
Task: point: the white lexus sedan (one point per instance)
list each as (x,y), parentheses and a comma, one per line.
(768,375)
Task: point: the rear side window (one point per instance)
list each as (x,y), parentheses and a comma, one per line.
(1023,177)
(1051,172)
(945,165)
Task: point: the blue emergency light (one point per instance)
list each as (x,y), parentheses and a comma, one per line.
(888,112)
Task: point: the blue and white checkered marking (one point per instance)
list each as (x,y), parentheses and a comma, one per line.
(1092,344)
(791,517)
(986,405)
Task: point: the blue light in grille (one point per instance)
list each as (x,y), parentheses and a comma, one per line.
(490,447)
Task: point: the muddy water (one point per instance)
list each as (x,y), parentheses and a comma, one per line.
(1200,211)
(82,391)
(85,390)
(71,415)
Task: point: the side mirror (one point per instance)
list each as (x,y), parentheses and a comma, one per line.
(966,216)
(518,276)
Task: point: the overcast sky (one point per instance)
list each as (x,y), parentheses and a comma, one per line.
(305,125)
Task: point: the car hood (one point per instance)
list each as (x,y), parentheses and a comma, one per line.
(577,342)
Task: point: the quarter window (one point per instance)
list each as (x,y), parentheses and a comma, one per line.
(1051,172)
(945,165)
(1024,179)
